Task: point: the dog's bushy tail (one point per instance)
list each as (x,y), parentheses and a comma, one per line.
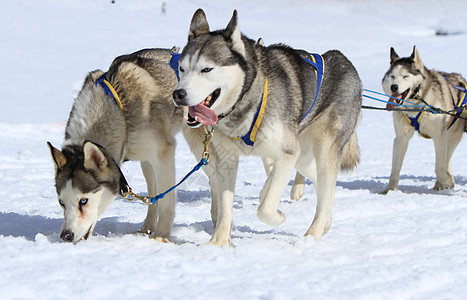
(351,152)
(351,155)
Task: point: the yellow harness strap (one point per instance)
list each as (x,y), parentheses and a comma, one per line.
(250,137)
(115,95)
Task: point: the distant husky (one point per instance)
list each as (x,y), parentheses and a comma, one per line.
(264,101)
(100,135)
(409,80)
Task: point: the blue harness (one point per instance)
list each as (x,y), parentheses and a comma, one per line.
(459,107)
(415,122)
(174,60)
(318,63)
(109,90)
(249,138)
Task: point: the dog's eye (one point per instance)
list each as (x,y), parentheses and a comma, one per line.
(83,201)
(392,77)
(206,70)
(405,77)
(62,203)
(182,69)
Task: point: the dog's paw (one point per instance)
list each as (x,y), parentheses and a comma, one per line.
(161,239)
(386,191)
(218,242)
(273,218)
(297,191)
(319,228)
(440,186)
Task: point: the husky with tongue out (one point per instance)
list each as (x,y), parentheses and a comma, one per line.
(409,80)
(293,111)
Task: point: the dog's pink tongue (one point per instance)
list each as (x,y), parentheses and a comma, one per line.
(391,100)
(204,114)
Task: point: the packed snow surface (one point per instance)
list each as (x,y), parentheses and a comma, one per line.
(409,244)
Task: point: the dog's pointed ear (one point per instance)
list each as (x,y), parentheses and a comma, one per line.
(58,158)
(94,158)
(199,25)
(393,55)
(260,42)
(233,35)
(92,77)
(416,58)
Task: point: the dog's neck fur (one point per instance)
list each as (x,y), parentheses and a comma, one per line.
(254,81)
(95,117)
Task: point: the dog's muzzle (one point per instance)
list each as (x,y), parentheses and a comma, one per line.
(67,236)
(179,97)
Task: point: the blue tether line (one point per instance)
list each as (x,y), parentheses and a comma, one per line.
(196,168)
(413,104)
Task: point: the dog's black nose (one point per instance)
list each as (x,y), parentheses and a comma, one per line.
(67,236)
(179,96)
(394,88)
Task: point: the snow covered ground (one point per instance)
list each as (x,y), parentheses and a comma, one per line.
(410,244)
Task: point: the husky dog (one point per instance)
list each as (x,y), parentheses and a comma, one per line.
(258,101)
(409,80)
(99,135)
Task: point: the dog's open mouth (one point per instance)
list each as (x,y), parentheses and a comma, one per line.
(396,99)
(202,113)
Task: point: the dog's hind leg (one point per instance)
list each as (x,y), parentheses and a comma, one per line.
(444,148)
(327,167)
(298,187)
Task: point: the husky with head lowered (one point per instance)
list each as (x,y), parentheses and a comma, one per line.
(127,112)
(408,80)
(265,101)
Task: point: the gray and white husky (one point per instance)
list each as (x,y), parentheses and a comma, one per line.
(258,100)
(409,80)
(100,135)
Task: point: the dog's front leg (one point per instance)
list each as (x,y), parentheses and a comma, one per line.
(210,171)
(226,167)
(164,168)
(150,223)
(270,195)
(268,164)
(193,138)
(401,142)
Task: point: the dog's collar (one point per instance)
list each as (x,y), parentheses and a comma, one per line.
(250,137)
(109,90)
